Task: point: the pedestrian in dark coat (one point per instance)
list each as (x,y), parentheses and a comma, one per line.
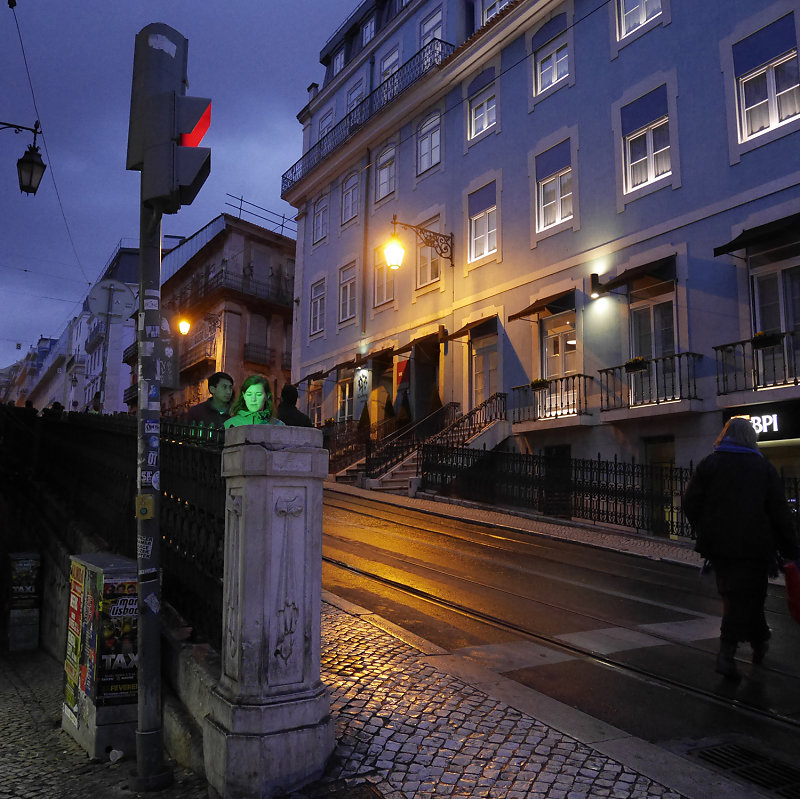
(288,413)
(737,507)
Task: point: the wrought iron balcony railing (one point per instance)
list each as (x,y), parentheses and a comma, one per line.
(419,65)
(199,353)
(131,395)
(562,396)
(461,430)
(96,334)
(767,361)
(255,353)
(669,378)
(278,290)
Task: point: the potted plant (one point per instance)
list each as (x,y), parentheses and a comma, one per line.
(540,383)
(761,340)
(637,364)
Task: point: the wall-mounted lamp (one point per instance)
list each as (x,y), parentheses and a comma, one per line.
(442,244)
(596,289)
(211,319)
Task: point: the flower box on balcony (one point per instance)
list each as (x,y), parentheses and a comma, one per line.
(540,383)
(637,364)
(762,340)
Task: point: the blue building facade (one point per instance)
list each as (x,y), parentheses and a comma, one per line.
(623,193)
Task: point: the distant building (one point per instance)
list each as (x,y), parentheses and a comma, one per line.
(622,187)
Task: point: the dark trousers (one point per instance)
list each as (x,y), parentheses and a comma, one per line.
(743,588)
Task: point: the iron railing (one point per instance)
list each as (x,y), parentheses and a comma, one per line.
(400,445)
(461,430)
(198,353)
(255,353)
(278,289)
(419,65)
(562,396)
(763,362)
(348,442)
(651,382)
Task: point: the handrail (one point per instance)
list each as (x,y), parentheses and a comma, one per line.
(472,422)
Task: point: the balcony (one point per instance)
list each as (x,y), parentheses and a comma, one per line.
(203,353)
(131,395)
(767,361)
(419,65)
(562,396)
(96,335)
(670,378)
(255,353)
(130,353)
(278,290)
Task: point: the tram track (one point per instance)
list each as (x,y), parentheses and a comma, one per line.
(415,521)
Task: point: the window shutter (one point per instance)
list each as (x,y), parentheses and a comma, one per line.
(646,109)
(548,31)
(553,160)
(764,45)
(483,198)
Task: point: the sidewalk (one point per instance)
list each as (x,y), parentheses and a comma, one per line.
(412,721)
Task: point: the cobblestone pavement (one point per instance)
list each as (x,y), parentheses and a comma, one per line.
(403,726)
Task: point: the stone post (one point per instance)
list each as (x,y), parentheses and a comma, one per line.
(269,729)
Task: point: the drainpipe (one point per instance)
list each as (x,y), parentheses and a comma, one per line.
(365,245)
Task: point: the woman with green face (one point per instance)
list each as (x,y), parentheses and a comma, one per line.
(254,405)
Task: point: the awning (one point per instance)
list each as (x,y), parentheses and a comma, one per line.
(471,326)
(762,234)
(381,353)
(312,377)
(440,335)
(555,303)
(657,271)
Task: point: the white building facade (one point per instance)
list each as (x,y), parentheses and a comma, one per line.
(624,198)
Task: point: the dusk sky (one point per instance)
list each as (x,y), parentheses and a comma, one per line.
(253,58)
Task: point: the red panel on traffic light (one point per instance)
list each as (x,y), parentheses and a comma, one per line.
(194,138)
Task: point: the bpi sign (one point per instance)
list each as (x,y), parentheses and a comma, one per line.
(763,424)
(775,421)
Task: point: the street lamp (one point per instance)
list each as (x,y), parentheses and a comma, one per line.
(30,167)
(442,243)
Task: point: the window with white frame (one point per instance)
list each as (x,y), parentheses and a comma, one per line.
(367,31)
(653,338)
(768,82)
(355,95)
(484,371)
(325,123)
(646,141)
(347,292)
(350,198)
(482,206)
(634,13)
(390,63)
(338,62)
(559,345)
(777,302)
(429,143)
(384,279)
(493,7)
(344,398)
(554,185)
(317,307)
(315,404)
(430,28)
(482,112)
(427,259)
(385,173)
(320,222)
(551,63)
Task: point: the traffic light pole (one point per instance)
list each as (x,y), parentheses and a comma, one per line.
(151,772)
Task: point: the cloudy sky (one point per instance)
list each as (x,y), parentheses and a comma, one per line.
(254,58)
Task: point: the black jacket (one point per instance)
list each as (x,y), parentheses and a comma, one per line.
(736,505)
(292,417)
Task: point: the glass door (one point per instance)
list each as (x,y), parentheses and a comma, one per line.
(484,368)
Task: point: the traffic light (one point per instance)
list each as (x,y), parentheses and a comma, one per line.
(165,125)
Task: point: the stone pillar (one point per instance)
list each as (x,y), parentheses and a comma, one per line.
(269,729)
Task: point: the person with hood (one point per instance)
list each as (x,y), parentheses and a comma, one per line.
(736,505)
(254,405)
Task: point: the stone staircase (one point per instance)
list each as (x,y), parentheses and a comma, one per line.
(398,479)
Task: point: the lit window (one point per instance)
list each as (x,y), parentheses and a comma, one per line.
(429,143)
(315,405)
(384,279)
(344,399)
(482,112)
(492,7)
(634,13)
(647,154)
(427,259)
(552,64)
(367,31)
(350,198)
(482,205)
(317,309)
(431,28)
(555,199)
(320,227)
(386,173)
(338,62)
(770,96)
(347,292)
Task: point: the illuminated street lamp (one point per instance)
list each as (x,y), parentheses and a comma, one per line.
(184,326)
(30,167)
(442,243)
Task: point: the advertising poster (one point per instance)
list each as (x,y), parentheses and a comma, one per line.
(24,580)
(116,676)
(74,627)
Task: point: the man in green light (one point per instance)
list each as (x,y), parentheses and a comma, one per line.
(215,410)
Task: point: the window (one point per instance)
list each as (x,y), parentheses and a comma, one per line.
(634,13)
(347,292)
(482,112)
(653,338)
(338,62)
(645,127)
(768,85)
(317,310)
(315,404)
(482,222)
(390,63)
(386,173)
(428,143)
(350,198)
(384,280)
(355,95)
(427,259)
(325,123)
(431,28)
(320,227)
(493,7)
(367,31)
(484,368)
(344,399)
(552,64)
(554,185)
(560,345)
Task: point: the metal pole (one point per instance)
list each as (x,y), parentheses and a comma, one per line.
(151,772)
